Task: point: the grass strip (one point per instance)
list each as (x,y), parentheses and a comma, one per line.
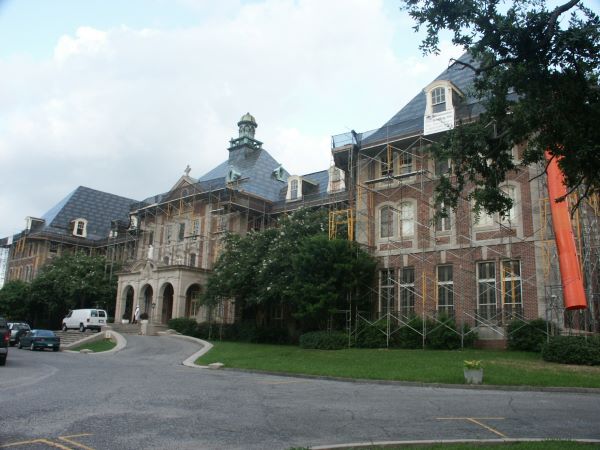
(428,366)
(102,345)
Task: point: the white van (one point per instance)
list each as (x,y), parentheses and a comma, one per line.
(94,319)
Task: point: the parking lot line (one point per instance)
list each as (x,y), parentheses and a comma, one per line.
(36,441)
(51,443)
(70,440)
(476,420)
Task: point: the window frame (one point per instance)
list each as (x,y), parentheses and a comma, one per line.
(387,290)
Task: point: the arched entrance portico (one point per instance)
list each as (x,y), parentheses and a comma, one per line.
(167,302)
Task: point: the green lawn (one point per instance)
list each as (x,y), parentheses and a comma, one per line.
(543,445)
(429,366)
(97,346)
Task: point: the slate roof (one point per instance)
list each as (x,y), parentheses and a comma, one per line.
(256,167)
(409,120)
(97,207)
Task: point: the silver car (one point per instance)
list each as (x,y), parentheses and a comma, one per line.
(17,329)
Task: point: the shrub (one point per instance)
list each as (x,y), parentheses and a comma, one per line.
(144,316)
(572,350)
(183,325)
(442,335)
(324,340)
(409,336)
(371,336)
(528,337)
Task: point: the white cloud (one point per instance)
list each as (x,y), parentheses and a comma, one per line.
(125,110)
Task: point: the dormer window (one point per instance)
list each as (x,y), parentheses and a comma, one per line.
(438,100)
(233,175)
(279,174)
(80,228)
(442,97)
(336,180)
(293,189)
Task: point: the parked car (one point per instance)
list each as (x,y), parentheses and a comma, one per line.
(17,329)
(40,339)
(4,339)
(83,319)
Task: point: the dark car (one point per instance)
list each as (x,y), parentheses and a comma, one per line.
(17,329)
(4,338)
(40,339)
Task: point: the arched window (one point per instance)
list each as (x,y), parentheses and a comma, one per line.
(407,219)
(386,222)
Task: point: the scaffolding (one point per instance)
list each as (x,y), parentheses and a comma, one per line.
(394,176)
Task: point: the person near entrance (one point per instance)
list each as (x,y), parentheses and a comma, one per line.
(136,314)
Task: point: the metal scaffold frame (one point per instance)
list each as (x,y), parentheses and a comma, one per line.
(367,193)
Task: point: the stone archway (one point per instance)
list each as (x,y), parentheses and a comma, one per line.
(192,296)
(128,296)
(147,294)
(167,303)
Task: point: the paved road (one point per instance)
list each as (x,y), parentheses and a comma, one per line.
(142,397)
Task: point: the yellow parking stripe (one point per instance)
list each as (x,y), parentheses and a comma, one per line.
(37,441)
(67,439)
(77,444)
(476,420)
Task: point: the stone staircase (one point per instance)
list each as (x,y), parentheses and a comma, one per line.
(71,336)
(126,328)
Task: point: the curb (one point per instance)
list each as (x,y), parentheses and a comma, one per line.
(189,362)
(384,444)
(121,342)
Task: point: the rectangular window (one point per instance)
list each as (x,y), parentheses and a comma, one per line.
(438,100)
(192,259)
(407,219)
(53,247)
(442,224)
(406,161)
(181,234)
(407,291)
(387,290)
(511,282)
(445,290)
(442,166)
(483,219)
(195,229)
(293,189)
(386,163)
(80,228)
(486,289)
(510,191)
(168,232)
(150,237)
(386,217)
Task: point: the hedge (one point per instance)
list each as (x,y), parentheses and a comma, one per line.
(573,350)
(529,336)
(324,340)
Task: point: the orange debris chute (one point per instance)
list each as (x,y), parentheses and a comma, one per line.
(570,270)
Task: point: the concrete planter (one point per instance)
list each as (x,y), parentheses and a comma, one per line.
(473,376)
(124,321)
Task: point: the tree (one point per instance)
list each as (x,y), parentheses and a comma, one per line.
(536,73)
(15,300)
(294,265)
(71,281)
(324,273)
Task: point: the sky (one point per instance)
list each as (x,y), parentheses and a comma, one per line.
(121,96)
